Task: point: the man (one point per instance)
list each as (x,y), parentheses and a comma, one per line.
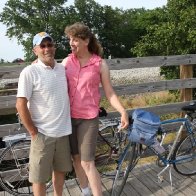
(43,106)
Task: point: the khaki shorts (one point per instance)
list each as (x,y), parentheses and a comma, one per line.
(48,154)
(84,138)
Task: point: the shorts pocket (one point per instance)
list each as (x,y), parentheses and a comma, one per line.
(36,138)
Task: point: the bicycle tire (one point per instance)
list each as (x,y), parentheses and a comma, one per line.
(127,163)
(108,148)
(14,179)
(185,156)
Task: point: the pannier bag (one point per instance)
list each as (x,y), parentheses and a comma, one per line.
(144,128)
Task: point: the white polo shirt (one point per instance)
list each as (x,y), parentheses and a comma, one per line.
(48,102)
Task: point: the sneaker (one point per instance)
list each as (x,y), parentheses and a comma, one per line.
(82,194)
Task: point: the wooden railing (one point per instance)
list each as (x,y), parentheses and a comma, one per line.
(7,102)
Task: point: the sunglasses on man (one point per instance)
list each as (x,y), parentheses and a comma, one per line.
(49,45)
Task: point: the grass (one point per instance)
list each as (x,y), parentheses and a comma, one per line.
(144,100)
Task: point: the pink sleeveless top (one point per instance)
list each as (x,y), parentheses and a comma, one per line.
(83,85)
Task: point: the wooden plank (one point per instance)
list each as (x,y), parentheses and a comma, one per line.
(7,98)
(72,187)
(8,103)
(65,190)
(153,61)
(106,183)
(123,63)
(189,181)
(132,89)
(154,185)
(129,190)
(11,129)
(159,109)
(7,110)
(8,107)
(142,178)
(141,188)
(50,191)
(176,181)
(165,185)
(156,190)
(129,187)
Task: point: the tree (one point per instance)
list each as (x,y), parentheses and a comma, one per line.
(26,18)
(174,34)
(116,29)
(2,61)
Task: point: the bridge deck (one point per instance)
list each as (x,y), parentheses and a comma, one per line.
(142,181)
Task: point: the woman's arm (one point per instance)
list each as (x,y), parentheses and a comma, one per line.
(111,95)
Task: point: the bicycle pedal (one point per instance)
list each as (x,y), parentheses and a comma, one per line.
(160,179)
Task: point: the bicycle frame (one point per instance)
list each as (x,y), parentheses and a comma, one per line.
(181,151)
(185,124)
(108,124)
(13,138)
(169,159)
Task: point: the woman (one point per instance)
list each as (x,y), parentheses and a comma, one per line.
(85,71)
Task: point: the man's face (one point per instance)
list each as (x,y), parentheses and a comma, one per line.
(45,51)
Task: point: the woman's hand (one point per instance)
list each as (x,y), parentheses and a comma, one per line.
(124,120)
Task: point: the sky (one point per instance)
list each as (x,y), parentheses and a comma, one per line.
(10,49)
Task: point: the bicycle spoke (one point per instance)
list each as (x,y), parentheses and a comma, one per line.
(185,156)
(109,146)
(125,165)
(14,175)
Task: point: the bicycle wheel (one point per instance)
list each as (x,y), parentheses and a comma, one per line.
(109,146)
(185,156)
(14,170)
(126,164)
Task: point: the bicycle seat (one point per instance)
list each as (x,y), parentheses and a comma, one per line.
(102,112)
(189,108)
(19,136)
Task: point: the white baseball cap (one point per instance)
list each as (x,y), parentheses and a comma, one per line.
(39,37)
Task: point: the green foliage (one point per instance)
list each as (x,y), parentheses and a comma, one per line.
(173,33)
(26,18)
(116,29)
(171,72)
(2,61)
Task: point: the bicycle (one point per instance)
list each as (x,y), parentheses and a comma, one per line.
(181,154)
(14,164)
(110,143)
(14,160)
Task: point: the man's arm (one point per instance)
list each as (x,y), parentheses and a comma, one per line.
(21,106)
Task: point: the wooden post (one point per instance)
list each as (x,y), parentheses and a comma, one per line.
(186,71)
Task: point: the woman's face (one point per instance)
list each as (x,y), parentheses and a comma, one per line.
(78,45)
